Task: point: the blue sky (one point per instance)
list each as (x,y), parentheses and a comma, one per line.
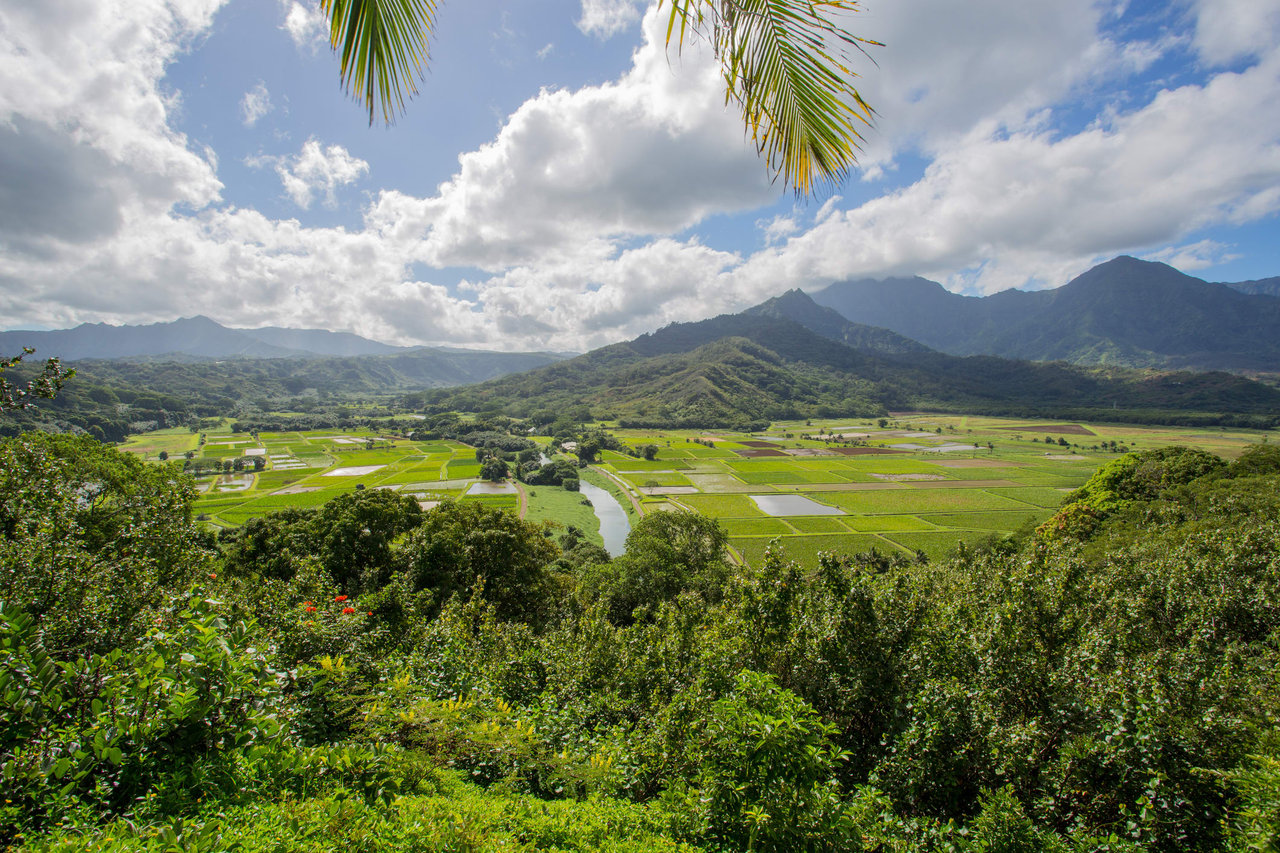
(562,181)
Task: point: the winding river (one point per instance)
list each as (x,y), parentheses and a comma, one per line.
(614,524)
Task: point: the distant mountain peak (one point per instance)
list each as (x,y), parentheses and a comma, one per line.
(1126,311)
(799,307)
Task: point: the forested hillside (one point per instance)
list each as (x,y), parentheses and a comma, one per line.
(755,366)
(110,399)
(1125,312)
(374,677)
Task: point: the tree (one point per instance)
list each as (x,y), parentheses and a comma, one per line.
(785,66)
(91,539)
(461,547)
(494,469)
(667,553)
(45,385)
(354,533)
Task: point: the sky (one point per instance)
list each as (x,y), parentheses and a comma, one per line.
(563,180)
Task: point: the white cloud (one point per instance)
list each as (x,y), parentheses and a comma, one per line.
(577,212)
(1002,210)
(606,18)
(255,104)
(1194,256)
(315,171)
(947,69)
(546,50)
(1231,30)
(651,154)
(306,24)
(778,228)
(81,110)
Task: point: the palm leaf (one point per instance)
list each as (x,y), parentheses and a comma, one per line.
(383,48)
(785,65)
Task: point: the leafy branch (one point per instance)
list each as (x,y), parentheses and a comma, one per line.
(45,385)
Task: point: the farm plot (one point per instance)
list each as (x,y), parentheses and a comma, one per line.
(937,544)
(805,549)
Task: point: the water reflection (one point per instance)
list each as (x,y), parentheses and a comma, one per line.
(614,524)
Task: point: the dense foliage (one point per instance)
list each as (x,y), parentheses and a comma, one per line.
(449,680)
(739,370)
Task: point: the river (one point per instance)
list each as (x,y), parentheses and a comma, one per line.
(614,524)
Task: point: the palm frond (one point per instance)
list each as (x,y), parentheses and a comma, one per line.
(785,64)
(383,48)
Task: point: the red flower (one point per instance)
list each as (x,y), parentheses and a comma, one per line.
(341,598)
(370,612)
(311,609)
(347,610)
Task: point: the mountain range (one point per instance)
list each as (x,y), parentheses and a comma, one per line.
(1125,312)
(788,358)
(1261,286)
(190,338)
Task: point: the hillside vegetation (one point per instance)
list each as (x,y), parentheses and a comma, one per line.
(369,676)
(739,369)
(1125,312)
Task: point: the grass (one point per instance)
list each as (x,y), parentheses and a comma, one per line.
(724,506)
(1002,521)
(818,524)
(937,544)
(561,508)
(770,477)
(805,549)
(886,523)
(911,501)
(1041,497)
(756,527)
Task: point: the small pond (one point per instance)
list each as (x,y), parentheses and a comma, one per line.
(793,505)
(484,487)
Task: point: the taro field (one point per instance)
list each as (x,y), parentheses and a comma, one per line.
(916,483)
(307,469)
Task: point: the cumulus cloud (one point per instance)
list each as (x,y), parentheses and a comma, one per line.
(778,228)
(1194,256)
(88,145)
(305,24)
(315,171)
(606,18)
(255,104)
(1232,30)
(577,215)
(1032,206)
(651,154)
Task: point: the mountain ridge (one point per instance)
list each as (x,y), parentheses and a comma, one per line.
(756,366)
(1125,312)
(190,338)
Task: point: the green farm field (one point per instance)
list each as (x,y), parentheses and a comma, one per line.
(920,482)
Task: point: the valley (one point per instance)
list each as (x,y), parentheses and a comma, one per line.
(921,483)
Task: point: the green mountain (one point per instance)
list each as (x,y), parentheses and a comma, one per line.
(756,366)
(110,397)
(799,306)
(1124,312)
(1258,287)
(190,339)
